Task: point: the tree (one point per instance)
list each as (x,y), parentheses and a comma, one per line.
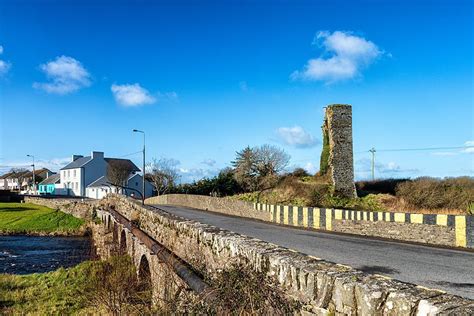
(244,168)
(163,174)
(258,168)
(118,172)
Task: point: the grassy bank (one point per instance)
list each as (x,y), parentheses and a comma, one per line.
(91,288)
(26,218)
(52,293)
(422,195)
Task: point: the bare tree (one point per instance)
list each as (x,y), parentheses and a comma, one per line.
(163,174)
(258,168)
(118,172)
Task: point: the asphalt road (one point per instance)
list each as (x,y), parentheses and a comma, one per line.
(446,269)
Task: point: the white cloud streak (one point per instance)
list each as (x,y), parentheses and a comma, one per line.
(65,74)
(209,162)
(132,95)
(345,56)
(4,65)
(296,136)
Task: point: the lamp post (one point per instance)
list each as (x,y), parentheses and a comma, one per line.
(143,170)
(34,179)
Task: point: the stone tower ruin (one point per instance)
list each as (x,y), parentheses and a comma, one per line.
(337,155)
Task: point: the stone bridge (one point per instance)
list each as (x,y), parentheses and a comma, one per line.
(175,255)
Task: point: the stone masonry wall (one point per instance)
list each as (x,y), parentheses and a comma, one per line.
(76,207)
(435,229)
(322,288)
(338,122)
(212,204)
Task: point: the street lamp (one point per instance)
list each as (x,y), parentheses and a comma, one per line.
(143,170)
(34,179)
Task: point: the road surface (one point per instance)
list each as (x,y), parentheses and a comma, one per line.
(446,269)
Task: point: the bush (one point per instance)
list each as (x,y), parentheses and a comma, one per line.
(432,193)
(367,203)
(240,290)
(385,186)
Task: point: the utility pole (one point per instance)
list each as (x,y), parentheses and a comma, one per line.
(373,162)
(34,178)
(143,170)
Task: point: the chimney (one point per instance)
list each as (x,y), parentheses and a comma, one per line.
(75,157)
(97,154)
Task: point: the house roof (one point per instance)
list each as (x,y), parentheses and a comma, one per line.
(15,175)
(127,162)
(79,162)
(101,182)
(51,179)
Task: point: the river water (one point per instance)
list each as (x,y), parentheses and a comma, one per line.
(31,254)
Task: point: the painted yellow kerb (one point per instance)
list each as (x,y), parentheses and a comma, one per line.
(295,216)
(358,215)
(416,218)
(364,216)
(371,216)
(387,217)
(316,217)
(442,220)
(399,217)
(460,227)
(285,215)
(305,216)
(338,214)
(328,219)
(380,216)
(272,214)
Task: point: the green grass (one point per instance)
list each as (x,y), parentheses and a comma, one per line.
(26,218)
(54,293)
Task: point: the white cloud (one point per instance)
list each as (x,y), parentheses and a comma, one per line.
(296,136)
(189,175)
(4,65)
(65,74)
(311,168)
(168,96)
(347,55)
(209,162)
(132,95)
(52,164)
(470,145)
(363,169)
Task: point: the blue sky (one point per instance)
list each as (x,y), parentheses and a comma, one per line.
(205,80)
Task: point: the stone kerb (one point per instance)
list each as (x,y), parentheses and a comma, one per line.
(318,285)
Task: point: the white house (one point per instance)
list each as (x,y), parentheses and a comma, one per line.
(101,187)
(87,176)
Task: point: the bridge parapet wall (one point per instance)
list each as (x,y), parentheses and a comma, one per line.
(435,229)
(320,286)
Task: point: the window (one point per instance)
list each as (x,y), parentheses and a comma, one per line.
(74,173)
(136,184)
(69,173)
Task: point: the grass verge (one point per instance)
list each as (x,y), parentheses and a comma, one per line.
(52,293)
(27,218)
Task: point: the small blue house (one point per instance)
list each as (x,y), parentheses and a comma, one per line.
(47,185)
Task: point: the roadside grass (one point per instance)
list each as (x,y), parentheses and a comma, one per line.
(109,287)
(53,293)
(27,218)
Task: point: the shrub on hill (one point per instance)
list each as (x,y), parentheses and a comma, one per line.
(432,193)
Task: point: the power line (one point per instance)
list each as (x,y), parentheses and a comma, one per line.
(131,154)
(426,148)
